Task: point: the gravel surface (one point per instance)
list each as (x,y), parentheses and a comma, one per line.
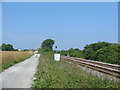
(20,75)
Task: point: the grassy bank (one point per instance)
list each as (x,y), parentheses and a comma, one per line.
(9,58)
(51,74)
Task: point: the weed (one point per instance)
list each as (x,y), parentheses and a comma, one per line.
(52,74)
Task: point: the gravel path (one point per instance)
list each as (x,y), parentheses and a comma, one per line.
(20,75)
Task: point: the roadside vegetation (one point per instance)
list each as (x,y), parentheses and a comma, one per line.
(62,74)
(10,58)
(101,51)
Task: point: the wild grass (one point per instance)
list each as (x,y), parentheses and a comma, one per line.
(9,58)
(52,74)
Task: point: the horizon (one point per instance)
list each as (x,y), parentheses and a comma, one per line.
(58,49)
(71,25)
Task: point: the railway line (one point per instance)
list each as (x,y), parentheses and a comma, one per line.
(111,69)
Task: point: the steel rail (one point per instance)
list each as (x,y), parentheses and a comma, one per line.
(110,69)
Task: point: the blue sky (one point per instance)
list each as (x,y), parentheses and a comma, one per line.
(70,24)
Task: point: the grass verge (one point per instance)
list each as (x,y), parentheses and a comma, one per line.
(9,58)
(52,74)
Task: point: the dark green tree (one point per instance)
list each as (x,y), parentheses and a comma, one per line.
(110,54)
(101,51)
(7,47)
(26,50)
(90,50)
(1,48)
(47,45)
(64,52)
(75,52)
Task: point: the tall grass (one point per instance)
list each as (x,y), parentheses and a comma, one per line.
(52,74)
(9,58)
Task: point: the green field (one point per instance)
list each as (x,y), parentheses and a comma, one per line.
(52,74)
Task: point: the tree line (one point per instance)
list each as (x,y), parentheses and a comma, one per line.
(9,47)
(101,51)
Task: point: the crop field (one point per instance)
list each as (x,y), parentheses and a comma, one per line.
(9,58)
(62,74)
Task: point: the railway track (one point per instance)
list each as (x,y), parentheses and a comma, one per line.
(106,68)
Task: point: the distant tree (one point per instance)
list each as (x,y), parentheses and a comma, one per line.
(1,48)
(75,52)
(110,54)
(16,50)
(101,51)
(7,47)
(26,50)
(34,50)
(64,52)
(90,50)
(47,45)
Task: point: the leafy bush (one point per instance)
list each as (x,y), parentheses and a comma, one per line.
(64,52)
(101,51)
(73,53)
(90,50)
(110,54)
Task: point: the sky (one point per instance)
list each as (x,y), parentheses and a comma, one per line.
(26,25)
